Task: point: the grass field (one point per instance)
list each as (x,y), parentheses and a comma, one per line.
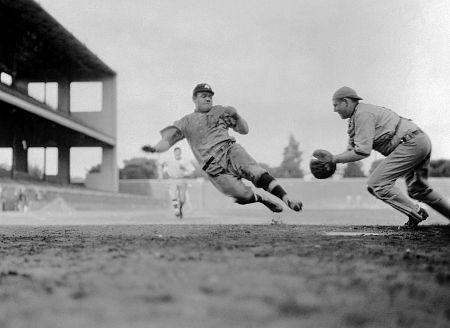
(347,268)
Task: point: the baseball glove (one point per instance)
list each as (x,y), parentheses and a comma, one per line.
(322,165)
(229,116)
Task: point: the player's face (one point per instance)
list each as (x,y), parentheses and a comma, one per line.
(203,101)
(343,108)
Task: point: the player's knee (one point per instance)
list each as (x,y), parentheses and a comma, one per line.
(246,198)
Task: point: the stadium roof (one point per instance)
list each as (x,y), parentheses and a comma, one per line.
(35,47)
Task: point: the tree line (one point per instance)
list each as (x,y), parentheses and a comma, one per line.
(290,166)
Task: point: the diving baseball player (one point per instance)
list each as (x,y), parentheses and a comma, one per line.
(224,161)
(406,147)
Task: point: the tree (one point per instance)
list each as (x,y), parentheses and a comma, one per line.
(139,168)
(292,157)
(353,170)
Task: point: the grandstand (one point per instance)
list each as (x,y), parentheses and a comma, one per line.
(35,48)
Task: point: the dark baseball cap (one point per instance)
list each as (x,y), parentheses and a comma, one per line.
(346,92)
(202,87)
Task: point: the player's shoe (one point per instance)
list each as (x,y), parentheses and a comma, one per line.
(415,219)
(294,205)
(271,205)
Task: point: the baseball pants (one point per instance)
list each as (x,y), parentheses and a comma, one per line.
(410,160)
(226,174)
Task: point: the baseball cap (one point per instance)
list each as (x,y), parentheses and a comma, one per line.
(202,87)
(346,92)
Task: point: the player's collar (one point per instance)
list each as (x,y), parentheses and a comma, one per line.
(354,110)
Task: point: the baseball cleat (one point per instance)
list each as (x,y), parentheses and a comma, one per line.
(415,220)
(294,205)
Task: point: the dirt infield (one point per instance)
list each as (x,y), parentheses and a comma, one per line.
(272,275)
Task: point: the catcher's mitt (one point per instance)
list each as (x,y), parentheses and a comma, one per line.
(322,165)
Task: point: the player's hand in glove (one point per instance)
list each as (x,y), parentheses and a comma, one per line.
(230,116)
(230,121)
(148,149)
(230,111)
(322,166)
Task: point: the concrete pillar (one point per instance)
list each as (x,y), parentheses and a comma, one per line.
(104,121)
(109,104)
(108,177)
(64,96)
(109,170)
(64,164)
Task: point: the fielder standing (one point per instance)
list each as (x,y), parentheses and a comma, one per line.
(406,147)
(224,161)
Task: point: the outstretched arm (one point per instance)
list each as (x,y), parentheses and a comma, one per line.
(169,136)
(162,146)
(348,156)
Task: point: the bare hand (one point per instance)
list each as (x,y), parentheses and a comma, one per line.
(148,149)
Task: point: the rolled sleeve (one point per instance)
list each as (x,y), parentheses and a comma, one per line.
(172,134)
(364,133)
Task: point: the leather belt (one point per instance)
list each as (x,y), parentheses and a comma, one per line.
(410,135)
(217,151)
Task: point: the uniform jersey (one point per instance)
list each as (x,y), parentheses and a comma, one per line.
(370,123)
(205,132)
(177,168)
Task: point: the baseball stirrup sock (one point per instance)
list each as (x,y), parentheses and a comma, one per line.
(268,183)
(276,190)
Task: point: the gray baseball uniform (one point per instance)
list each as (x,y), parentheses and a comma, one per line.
(224,161)
(407,149)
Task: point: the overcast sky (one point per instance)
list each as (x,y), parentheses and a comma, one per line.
(277,61)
